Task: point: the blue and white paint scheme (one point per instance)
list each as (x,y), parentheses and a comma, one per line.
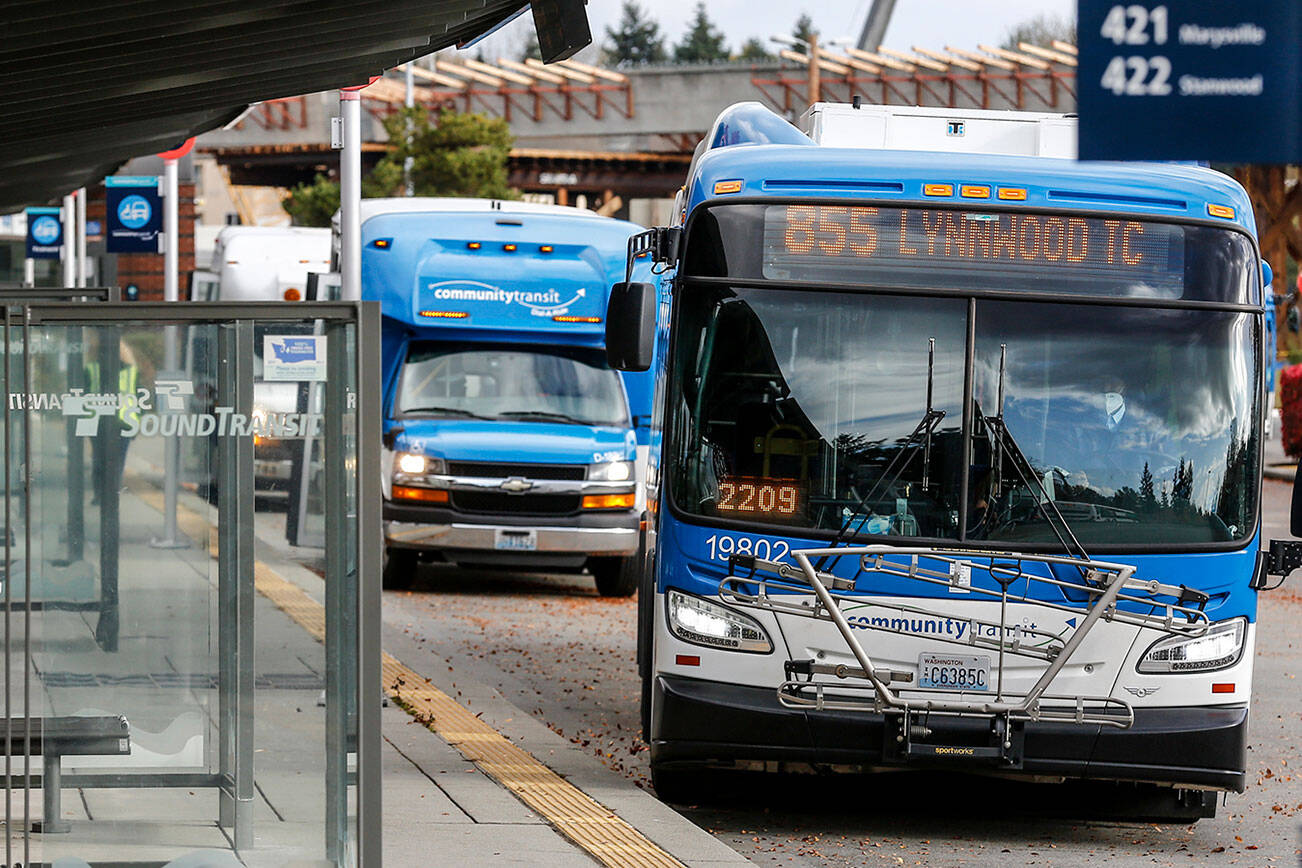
(508,439)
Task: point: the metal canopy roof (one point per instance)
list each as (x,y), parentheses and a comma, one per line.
(91,84)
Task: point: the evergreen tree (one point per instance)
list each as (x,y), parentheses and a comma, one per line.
(804,28)
(1146,494)
(530,49)
(701,43)
(754,50)
(1040,30)
(636,40)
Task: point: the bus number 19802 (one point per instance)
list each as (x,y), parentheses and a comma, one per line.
(723,545)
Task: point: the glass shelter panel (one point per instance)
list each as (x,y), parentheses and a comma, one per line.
(184,694)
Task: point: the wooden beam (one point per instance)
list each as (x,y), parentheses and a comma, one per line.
(981,58)
(466,72)
(564,71)
(914,59)
(854,63)
(1023,59)
(1064,47)
(948,58)
(1047,54)
(880,60)
(823,62)
(430,75)
(540,74)
(489,69)
(607,74)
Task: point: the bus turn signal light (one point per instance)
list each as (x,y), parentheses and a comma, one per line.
(608,501)
(445,314)
(938,189)
(424,495)
(569,318)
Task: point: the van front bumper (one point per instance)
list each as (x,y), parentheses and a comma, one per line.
(698,722)
(598,534)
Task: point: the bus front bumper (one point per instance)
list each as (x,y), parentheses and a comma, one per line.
(706,722)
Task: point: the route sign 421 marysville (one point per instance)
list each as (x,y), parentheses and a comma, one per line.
(1191,80)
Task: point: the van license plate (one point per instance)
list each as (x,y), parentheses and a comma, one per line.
(954,672)
(515,540)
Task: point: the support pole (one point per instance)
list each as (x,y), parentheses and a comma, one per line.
(80,196)
(815,71)
(409,102)
(350,196)
(171,353)
(29,272)
(69,241)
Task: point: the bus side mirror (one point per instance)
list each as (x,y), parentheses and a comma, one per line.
(1285,555)
(630,326)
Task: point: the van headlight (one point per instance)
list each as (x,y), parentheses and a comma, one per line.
(414,464)
(611,471)
(1219,648)
(702,622)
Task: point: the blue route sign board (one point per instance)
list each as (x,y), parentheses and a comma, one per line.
(44,233)
(1190,80)
(133,214)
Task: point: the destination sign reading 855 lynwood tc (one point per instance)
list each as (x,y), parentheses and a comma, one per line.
(1191,80)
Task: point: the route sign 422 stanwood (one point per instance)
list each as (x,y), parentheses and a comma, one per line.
(1191,80)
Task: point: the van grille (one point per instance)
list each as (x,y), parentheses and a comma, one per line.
(494,503)
(502,470)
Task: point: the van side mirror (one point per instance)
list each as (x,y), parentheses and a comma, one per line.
(631,326)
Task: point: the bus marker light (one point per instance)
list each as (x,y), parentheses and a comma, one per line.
(1224,211)
(721,187)
(381,243)
(546,248)
(473,245)
(938,189)
(1222,688)
(974,191)
(445,314)
(425,495)
(292,294)
(687,659)
(571,318)
(509,248)
(608,501)
(1012,194)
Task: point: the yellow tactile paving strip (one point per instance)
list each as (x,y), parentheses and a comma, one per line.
(583,820)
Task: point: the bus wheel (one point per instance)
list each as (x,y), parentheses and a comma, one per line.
(399,568)
(616,577)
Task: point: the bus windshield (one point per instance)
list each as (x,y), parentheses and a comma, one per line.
(833,410)
(569,385)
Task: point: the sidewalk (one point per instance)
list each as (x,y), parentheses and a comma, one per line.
(1276,464)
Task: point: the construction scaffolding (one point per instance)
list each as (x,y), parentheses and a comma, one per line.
(1032,78)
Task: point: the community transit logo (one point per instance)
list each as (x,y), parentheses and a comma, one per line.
(161,412)
(546,302)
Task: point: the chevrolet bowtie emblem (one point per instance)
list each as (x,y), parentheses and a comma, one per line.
(516,485)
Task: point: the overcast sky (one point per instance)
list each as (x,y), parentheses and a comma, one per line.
(929,23)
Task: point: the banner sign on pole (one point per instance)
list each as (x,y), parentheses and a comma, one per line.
(134,214)
(44,233)
(1190,80)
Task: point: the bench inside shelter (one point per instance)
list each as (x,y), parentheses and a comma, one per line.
(53,738)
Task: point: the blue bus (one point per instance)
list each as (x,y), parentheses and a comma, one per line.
(508,440)
(955,458)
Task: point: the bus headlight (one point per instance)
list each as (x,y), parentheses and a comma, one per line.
(702,622)
(611,471)
(1219,648)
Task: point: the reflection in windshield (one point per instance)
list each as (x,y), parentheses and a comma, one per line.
(570,385)
(1116,425)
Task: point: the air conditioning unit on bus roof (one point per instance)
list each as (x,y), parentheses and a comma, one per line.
(965,131)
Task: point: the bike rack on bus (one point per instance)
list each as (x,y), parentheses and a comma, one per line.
(783,589)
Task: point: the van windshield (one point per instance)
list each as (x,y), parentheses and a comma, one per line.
(570,385)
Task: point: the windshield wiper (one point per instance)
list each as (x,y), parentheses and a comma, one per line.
(448,411)
(543,414)
(921,432)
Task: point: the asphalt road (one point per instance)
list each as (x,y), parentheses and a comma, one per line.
(558,651)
